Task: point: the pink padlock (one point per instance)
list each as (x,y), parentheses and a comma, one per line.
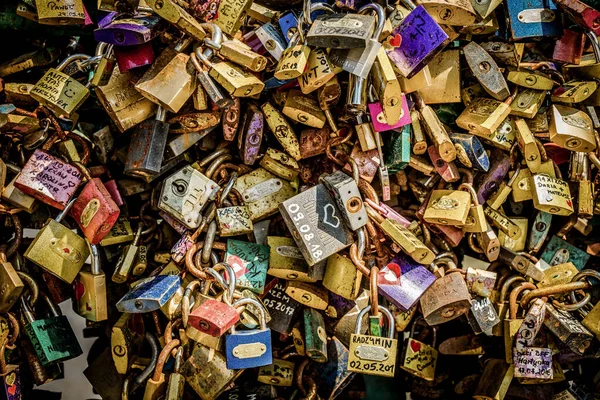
(378,118)
(49,179)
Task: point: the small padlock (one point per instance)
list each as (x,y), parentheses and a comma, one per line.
(70,12)
(90,290)
(418,358)
(149,294)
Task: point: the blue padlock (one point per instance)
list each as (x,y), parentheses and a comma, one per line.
(149,294)
(470,147)
(251,348)
(532,19)
(288,23)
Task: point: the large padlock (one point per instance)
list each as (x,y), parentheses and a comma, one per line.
(373,355)
(249,348)
(69,12)
(57,249)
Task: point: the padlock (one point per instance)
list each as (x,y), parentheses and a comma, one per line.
(206,372)
(408,56)
(320,240)
(279,373)
(448,207)
(569,48)
(420,359)
(518,244)
(95,211)
(11,285)
(315,337)
(402,282)
(58,91)
(572,129)
(90,290)
(308,294)
(340,31)
(241,54)
(185,193)
(294,59)
(282,130)
(266,39)
(527,103)
(342,277)
(126,106)
(235,80)
(251,348)
(483,116)
(531,79)
(286,260)
(521,262)
(574,92)
(512,324)
(486,71)
(303,109)
(551,195)
(149,294)
(125,265)
(447,298)
(436,131)
(69,12)
(10,375)
(127,31)
(156,385)
(470,151)
(345,192)
(125,340)
(568,329)
(445,74)
(53,338)
(158,83)
(249,262)
(539,18)
(373,355)
(68,250)
(359,61)
(280,164)
(49,179)
(176,15)
(531,325)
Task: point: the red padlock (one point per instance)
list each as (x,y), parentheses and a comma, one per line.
(95,211)
(130,57)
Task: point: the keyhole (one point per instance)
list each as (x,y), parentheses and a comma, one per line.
(485,66)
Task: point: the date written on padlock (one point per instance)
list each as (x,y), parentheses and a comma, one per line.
(316,224)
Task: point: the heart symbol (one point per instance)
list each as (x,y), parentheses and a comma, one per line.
(12,390)
(395,41)
(570,203)
(415,346)
(390,275)
(333,217)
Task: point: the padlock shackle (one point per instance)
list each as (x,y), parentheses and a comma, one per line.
(70,59)
(506,286)
(15,243)
(465,187)
(581,276)
(26,310)
(421,321)
(231,278)
(309,8)
(379,16)
(258,305)
(227,189)
(385,311)
(214,43)
(96,261)
(34,289)
(163,356)
(145,374)
(53,308)
(514,295)
(61,215)
(209,240)
(556,289)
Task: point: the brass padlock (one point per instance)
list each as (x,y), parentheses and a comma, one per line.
(448,207)
(572,129)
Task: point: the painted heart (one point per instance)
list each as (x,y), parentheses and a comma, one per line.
(395,40)
(415,346)
(12,389)
(390,275)
(330,219)
(570,203)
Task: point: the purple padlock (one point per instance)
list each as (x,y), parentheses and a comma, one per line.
(249,141)
(421,40)
(403,282)
(128,31)
(489,182)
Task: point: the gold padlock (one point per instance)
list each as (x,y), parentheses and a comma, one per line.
(448,207)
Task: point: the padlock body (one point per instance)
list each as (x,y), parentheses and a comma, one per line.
(95,211)
(59,92)
(248,349)
(419,359)
(403,282)
(447,298)
(58,250)
(53,339)
(49,179)
(213,317)
(372,355)
(90,295)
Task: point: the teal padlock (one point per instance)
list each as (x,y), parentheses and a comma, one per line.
(558,251)
(52,338)
(397,146)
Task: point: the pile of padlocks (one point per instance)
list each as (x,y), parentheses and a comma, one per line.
(292,199)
